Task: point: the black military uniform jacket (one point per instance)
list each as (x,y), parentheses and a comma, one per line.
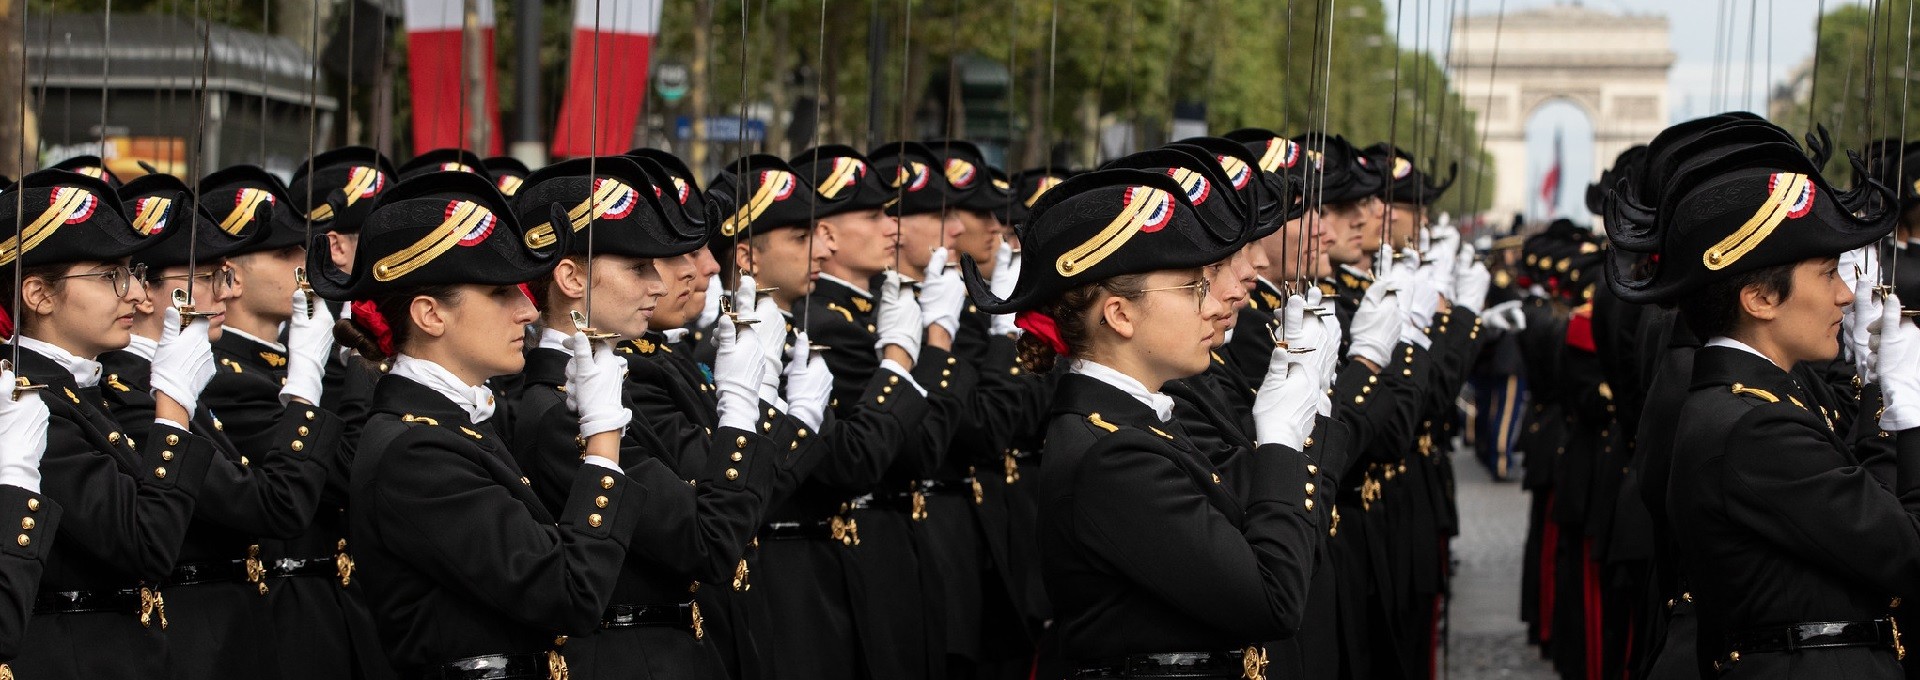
(459,556)
(1779,523)
(23,562)
(1150,551)
(695,529)
(128,507)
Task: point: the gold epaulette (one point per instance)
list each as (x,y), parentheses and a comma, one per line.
(1755,392)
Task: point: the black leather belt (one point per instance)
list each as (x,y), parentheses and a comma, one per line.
(1880,633)
(313,566)
(680,615)
(1248,663)
(492,667)
(217,571)
(962,487)
(788,531)
(79,601)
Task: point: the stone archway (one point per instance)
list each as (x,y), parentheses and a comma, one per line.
(1614,66)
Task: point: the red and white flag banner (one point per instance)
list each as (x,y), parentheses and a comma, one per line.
(606,76)
(435,45)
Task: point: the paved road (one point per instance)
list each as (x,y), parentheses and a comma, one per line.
(1488,639)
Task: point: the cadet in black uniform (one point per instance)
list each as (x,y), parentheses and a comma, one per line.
(24,420)
(1125,497)
(694,533)
(99,612)
(467,572)
(1793,548)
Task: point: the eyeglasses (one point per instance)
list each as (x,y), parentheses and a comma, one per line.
(1200,287)
(221,278)
(121,277)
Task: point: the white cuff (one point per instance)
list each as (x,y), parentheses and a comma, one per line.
(895,366)
(21,476)
(609,421)
(169,423)
(1900,417)
(601,461)
(1413,335)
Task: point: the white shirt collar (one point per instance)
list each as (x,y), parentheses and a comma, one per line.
(1362,274)
(553,339)
(86,372)
(143,347)
(476,401)
(675,334)
(858,289)
(1160,404)
(277,347)
(1730,343)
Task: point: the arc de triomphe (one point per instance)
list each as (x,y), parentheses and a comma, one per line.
(1612,66)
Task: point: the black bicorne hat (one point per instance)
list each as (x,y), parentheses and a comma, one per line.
(1099,225)
(674,178)
(844,175)
(1205,184)
(63,217)
(1275,196)
(443,160)
(624,213)
(161,206)
(91,166)
(758,193)
(443,228)
(245,199)
(343,187)
(1401,180)
(508,173)
(1625,165)
(1744,207)
(1028,186)
(1334,170)
(1631,206)
(915,175)
(969,178)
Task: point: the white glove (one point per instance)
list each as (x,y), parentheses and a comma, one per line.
(594,380)
(1443,249)
(1006,272)
(1857,324)
(309,343)
(943,294)
(183,365)
(771,328)
(899,321)
(1330,330)
(737,366)
(1376,325)
(1284,409)
(1421,293)
(809,383)
(23,426)
(1506,316)
(1471,281)
(711,310)
(1897,367)
(1308,334)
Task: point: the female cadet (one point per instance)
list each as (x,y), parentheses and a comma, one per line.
(1155,567)
(468,574)
(693,533)
(128,502)
(1795,551)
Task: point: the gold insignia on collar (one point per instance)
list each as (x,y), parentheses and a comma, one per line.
(1328,290)
(1216,358)
(274,359)
(471,433)
(842,310)
(1104,425)
(113,381)
(1157,431)
(411,418)
(862,304)
(229,363)
(1273,301)
(1755,392)
(71,395)
(644,345)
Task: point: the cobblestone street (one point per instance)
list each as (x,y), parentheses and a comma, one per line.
(1488,640)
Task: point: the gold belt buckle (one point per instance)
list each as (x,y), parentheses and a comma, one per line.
(151,603)
(919,506)
(1899,650)
(699,623)
(979,493)
(557,662)
(1012,465)
(343,563)
(740,582)
(1253,663)
(845,530)
(256,570)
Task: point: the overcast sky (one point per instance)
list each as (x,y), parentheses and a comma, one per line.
(1782,39)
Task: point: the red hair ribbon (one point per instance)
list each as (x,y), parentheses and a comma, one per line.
(6,325)
(369,319)
(1041,326)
